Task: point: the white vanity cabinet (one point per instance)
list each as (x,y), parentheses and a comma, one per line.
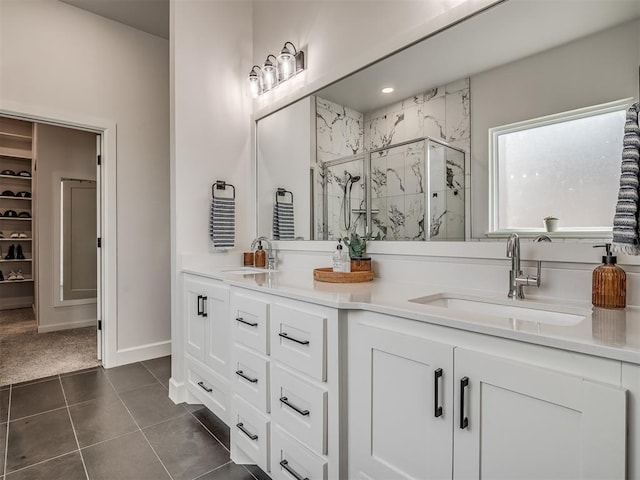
(206,334)
(502,416)
(287,358)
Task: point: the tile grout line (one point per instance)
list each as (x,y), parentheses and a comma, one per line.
(210,432)
(217,468)
(138,425)
(153,375)
(73,428)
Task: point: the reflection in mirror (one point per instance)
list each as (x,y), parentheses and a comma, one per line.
(78,268)
(490,72)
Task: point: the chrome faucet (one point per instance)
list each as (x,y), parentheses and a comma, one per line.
(271,254)
(517,280)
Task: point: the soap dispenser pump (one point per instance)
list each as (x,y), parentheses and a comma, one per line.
(260,256)
(609,282)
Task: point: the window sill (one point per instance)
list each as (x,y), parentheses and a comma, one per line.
(593,235)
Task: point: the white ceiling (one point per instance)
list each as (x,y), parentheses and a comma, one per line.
(151,16)
(510,31)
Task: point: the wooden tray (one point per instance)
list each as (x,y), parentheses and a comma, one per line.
(326,274)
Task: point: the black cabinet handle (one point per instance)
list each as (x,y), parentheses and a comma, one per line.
(437,408)
(246,432)
(201,385)
(204,305)
(242,320)
(284,464)
(248,379)
(199,308)
(285,400)
(301,342)
(464,421)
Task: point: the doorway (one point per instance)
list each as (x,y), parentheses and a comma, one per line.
(58,331)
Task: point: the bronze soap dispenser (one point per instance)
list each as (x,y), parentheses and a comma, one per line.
(609,283)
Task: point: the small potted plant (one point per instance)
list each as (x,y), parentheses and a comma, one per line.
(357,248)
(551,224)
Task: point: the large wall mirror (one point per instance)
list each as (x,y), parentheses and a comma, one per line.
(510,116)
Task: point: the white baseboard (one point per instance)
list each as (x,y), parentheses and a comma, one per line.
(66,326)
(143,352)
(177,391)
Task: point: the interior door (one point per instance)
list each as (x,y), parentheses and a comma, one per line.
(514,420)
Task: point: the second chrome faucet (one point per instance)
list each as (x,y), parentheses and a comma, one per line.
(517,279)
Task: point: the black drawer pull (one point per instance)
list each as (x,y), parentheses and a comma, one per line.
(204,305)
(206,389)
(246,432)
(200,309)
(242,320)
(285,400)
(301,342)
(248,379)
(464,421)
(437,408)
(284,464)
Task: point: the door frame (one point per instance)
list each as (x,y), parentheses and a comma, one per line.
(107,129)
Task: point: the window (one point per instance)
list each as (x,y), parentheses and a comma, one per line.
(565,165)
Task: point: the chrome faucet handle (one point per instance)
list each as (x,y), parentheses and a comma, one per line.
(531,280)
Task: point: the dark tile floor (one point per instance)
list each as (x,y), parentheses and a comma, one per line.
(111,424)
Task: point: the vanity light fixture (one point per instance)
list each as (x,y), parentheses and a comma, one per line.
(255,81)
(276,70)
(387,90)
(270,72)
(290,62)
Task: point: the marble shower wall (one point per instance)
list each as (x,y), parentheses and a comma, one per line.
(339,133)
(397,175)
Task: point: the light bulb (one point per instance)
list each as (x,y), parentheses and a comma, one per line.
(269,74)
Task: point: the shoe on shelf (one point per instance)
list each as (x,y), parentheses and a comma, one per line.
(23,194)
(1,234)
(18,275)
(1,276)
(19,254)
(22,235)
(14,235)
(11,255)
(8,193)
(11,275)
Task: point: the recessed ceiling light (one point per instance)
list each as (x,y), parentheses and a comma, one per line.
(387,90)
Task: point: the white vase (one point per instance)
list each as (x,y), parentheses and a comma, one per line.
(551,224)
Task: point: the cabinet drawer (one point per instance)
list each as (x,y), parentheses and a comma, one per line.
(250,323)
(289,459)
(250,377)
(210,388)
(298,339)
(249,433)
(300,408)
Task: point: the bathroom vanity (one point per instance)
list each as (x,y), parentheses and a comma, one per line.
(322,381)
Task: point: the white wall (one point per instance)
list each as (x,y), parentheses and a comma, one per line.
(71,153)
(596,69)
(60,59)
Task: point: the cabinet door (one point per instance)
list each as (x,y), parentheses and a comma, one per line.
(527,422)
(395,427)
(217,328)
(194,319)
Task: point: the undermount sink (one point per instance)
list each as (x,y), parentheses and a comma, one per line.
(528,310)
(247,270)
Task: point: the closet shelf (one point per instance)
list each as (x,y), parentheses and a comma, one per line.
(15,156)
(5,197)
(15,240)
(15,136)
(16,260)
(26,280)
(16,219)
(16,177)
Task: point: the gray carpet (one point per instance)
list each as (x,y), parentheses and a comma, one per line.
(26,354)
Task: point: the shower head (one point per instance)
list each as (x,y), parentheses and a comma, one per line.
(354,179)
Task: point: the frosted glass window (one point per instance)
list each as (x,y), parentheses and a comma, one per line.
(568,168)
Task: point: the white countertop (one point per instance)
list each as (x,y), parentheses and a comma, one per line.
(613,334)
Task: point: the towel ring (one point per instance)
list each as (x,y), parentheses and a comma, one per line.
(221,185)
(281,192)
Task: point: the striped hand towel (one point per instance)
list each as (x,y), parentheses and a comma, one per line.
(626,237)
(283,228)
(222,222)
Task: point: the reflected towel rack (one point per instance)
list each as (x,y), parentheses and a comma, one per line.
(281,192)
(221,185)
